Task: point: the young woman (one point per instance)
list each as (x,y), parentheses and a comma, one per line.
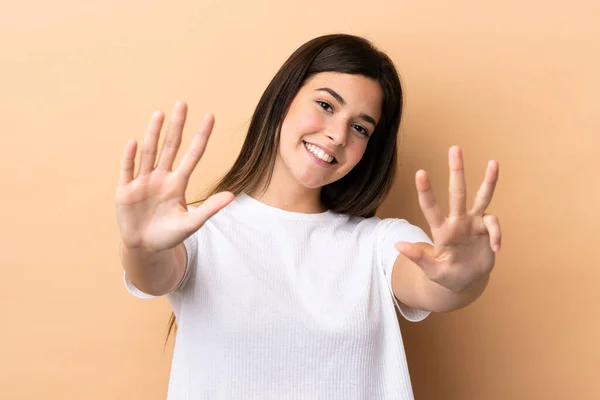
(283,282)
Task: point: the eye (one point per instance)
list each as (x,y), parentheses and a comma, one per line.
(325,105)
(360,130)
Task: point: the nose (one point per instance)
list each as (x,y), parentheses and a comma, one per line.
(338,133)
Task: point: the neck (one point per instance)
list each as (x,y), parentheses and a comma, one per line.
(287,194)
(300,202)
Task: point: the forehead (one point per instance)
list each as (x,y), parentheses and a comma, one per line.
(360,93)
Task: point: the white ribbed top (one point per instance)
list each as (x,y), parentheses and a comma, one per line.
(283,305)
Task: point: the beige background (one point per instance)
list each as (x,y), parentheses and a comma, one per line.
(507,80)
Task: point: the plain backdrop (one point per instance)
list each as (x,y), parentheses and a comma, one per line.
(513,81)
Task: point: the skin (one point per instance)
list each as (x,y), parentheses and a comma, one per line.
(337,112)
(444,277)
(454,272)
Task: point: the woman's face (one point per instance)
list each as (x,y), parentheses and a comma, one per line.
(327,127)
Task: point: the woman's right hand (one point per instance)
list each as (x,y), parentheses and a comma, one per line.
(152,212)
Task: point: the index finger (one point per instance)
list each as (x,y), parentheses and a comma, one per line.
(429,205)
(483,198)
(196,150)
(457,188)
(173,139)
(127,162)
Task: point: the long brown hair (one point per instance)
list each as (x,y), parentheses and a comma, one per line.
(364,188)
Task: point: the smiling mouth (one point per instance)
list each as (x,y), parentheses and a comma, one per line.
(320,154)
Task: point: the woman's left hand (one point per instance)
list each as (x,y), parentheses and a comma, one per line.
(465,242)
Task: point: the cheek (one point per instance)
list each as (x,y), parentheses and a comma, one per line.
(355,151)
(309,122)
(353,154)
(301,122)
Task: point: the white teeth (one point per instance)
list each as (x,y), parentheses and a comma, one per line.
(318,152)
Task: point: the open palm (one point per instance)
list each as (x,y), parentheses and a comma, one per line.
(465,242)
(152,212)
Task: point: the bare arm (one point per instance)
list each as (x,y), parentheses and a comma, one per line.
(154,273)
(152,212)
(412,287)
(455,271)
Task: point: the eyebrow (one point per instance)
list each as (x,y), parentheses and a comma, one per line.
(341,100)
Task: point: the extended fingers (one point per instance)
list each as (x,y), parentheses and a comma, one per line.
(429,206)
(148,154)
(173,139)
(457,187)
(196,150)
(484,195)
(128,162)
(210,207)
(493,227)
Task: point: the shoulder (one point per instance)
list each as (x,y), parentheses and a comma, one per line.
(399,229)
(358,225)
(385,230)
(376,225)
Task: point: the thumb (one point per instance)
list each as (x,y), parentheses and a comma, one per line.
(210,207)
(417,254)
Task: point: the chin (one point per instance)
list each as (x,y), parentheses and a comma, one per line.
(309,180)
(312,184)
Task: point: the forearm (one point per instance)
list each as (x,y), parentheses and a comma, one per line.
(412,287)
(154,273)
(434,297)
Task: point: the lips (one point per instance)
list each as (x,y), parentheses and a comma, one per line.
(320,153)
